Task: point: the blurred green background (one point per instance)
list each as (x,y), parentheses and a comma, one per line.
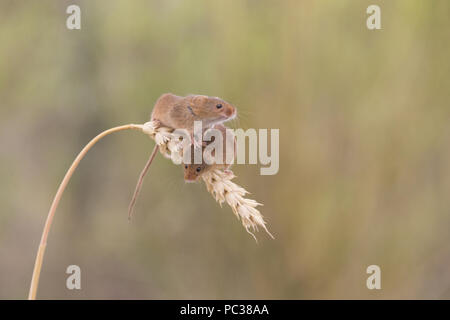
(364,148)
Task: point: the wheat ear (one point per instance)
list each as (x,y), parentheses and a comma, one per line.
(217,182)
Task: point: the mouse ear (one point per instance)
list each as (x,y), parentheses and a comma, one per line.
(200,99)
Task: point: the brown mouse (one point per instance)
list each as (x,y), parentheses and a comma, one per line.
(192,171)
(180,112)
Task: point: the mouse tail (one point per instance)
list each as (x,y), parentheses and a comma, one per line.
(140,181)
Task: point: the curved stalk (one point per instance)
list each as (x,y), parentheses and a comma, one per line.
(51,213)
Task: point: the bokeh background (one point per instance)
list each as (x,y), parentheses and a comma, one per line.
(364,148)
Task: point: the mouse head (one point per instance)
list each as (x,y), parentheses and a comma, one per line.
(212,109)
(192,172)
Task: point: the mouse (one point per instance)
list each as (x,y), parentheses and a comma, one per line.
(192,171)
(180,112)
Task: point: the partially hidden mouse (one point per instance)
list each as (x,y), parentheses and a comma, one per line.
(193,171)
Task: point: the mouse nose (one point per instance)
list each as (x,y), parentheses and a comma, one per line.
(188,180)
(230,112)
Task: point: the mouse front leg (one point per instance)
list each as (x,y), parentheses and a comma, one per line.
(195,140)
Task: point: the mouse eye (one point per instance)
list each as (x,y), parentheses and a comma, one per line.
(190,110)
(185,166)
(219,106)
(198,169)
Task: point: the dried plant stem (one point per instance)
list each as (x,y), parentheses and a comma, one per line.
(51,213)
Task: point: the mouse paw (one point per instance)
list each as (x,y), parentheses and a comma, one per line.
(156,123)
(228,172)
(196,142)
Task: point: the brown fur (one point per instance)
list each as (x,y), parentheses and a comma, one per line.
(180,112)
